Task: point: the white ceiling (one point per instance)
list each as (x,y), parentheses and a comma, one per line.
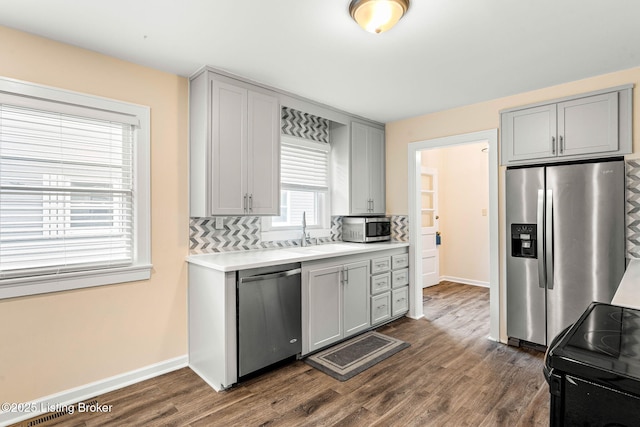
(442,54)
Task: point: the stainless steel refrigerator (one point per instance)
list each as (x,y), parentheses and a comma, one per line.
(565,244)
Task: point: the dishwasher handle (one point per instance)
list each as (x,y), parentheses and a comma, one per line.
(271,275)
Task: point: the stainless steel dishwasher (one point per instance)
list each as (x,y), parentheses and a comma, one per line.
(269,316)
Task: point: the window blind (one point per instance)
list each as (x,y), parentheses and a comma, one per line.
(302,167)
(66,191)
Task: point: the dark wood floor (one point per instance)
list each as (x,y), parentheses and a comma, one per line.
(452,375)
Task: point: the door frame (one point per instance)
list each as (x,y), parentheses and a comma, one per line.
(415,249)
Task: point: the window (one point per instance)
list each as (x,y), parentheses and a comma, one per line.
(74,190)
(304,185)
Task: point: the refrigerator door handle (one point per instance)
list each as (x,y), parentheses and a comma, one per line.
(542,278)
(548,227)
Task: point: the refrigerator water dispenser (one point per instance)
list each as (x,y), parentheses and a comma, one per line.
(524,240)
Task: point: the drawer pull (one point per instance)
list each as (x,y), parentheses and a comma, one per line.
(382,306)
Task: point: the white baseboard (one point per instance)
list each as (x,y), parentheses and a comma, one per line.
(465,281)
(87,391)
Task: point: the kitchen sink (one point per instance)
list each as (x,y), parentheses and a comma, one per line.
(303,250)
(333,247)
(320,249)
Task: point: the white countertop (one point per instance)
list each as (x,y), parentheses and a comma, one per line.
(628,293)
(241,260)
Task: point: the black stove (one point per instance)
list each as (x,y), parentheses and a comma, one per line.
(593,369)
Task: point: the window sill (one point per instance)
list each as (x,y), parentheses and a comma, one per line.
(34,285)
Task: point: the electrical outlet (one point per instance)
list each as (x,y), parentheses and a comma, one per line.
(219,223)
(484,212)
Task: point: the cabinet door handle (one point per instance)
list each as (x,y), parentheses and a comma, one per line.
(561,144)
(250,202)
(244,203)
(553,145)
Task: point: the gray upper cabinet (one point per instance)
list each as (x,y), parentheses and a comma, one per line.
(367,170)
(588,125)
(597,124)
(529,133)
(234,147)
(358,170)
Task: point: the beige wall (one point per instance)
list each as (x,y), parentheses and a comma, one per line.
(54,342)
(478,117)
(463,195)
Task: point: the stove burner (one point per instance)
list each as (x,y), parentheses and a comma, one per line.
(624,316)
(619,340)
(613,344)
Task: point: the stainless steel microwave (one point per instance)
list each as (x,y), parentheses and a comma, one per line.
(366,229)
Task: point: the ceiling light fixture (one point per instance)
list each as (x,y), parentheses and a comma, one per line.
(377,16)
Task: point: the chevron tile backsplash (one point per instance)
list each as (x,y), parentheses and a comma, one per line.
(400,228)
(240,233)
(243,233)
(632,207)
(304,125)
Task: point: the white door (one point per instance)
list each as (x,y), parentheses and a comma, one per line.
(429,226)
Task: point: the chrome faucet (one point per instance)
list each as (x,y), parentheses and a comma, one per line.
(306,239)
(303,241)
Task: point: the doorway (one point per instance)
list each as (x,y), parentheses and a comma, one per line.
(454,206)
(489,137)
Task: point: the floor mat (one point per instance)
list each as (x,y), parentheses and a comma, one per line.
(349,358)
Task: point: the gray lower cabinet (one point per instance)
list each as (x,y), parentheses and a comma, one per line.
(380,308)
(399,301)
(597,124)
(336,299)
(389,287)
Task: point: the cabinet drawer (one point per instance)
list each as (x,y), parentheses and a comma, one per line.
(400,301)
(380,308)
(400,261)
(400,278)
(380,283)
(379,265)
